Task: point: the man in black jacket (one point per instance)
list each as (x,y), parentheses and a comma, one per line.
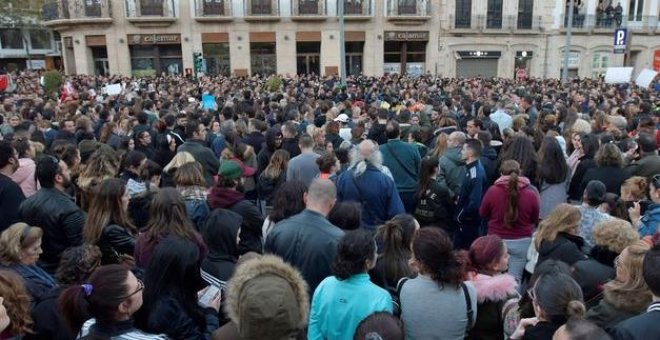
(195,145)
(308,240)
(647,325)
(54,211)
(11,194)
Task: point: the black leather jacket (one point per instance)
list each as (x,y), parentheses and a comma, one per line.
(115,241)
(61,220)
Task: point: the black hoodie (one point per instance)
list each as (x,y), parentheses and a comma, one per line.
(263,157)
(227,198)
(220,233)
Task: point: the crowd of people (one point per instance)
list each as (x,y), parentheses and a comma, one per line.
(299,207)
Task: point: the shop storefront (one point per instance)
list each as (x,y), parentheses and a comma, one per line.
(405,52)
(523,64)
(99,51)
(263,57)
(153,54)
(308,52)
(471,64)
(215,49)
(354,47)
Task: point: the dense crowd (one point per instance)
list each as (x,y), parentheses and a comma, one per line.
(298,207)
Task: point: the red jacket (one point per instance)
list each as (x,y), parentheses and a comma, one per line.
(494,206)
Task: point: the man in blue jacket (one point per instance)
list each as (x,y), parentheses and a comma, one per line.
(366,183)
(403,160)
(472,191)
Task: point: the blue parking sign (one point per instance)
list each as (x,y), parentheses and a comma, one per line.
(620,40)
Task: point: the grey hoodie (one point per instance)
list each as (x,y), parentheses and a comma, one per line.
(452,170)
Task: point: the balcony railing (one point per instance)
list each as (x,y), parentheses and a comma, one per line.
(308,8)
(408,8)
(603,22)
(356,8)
(213,8)
(261,8)
(76,11)
(150,8)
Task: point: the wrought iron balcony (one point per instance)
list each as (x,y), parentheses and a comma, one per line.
(356,9)
(606,24)
(312,10)
(213,10)
(150,12)
(71,12)
(261,9)
(408,10)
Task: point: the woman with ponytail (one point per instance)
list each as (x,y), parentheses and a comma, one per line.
(110,298)
(435,205)
(511,207)
(343,300)
(557,298)
(392,265)
(486,263)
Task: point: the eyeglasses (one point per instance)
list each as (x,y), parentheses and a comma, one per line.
(139,289)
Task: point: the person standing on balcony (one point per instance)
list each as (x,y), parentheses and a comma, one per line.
(618,14)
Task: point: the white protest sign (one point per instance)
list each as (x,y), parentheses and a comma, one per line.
(113,89)
(617,75)
(645,77)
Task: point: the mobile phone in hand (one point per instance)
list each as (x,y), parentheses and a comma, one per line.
(210,294)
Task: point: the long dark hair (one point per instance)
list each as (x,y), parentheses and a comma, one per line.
(108,286)
(288,200)
(353,251)
(552,164)
(427,169)
(521,149)
(106,209)
(434,251)
(397,235)
(169,216)
(511,168)
(174,271)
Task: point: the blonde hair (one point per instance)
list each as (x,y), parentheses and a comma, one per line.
(635,290)
(614,234)
(637,186)
(179,159)
(17,303)
(580,126)
(15,239)
(562,219)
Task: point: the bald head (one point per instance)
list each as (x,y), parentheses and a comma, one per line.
(367,148)
(456,139)
(321,196)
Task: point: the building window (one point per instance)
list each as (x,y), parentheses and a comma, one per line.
(635,10)
(525,14)
(353,7)
(600,63)
(579,13)
(263,59)
(40,40)
(11,38)
(494,14)
(308,7)
(214,7)
(463,14)
(100,56)
(354,52)
(262,7)
(92,8)
(151,7)
(407,7)
(156,59)
(405,57)
(217,58)
(308,57)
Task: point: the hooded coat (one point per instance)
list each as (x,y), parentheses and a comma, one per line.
(265,299)
(220,235)
(492,294)
(263,156)
(618,305)
(231,199)
(495,204)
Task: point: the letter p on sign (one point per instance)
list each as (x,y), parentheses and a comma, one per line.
(620,37)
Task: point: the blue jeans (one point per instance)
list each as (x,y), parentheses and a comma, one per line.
(517,250)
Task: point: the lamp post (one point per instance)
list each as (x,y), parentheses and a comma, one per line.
(342,45)
(567,48)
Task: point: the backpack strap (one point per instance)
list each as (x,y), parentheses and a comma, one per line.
(403,166)
(468,304)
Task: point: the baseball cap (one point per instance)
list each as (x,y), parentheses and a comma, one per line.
(342,118)
(231,169)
